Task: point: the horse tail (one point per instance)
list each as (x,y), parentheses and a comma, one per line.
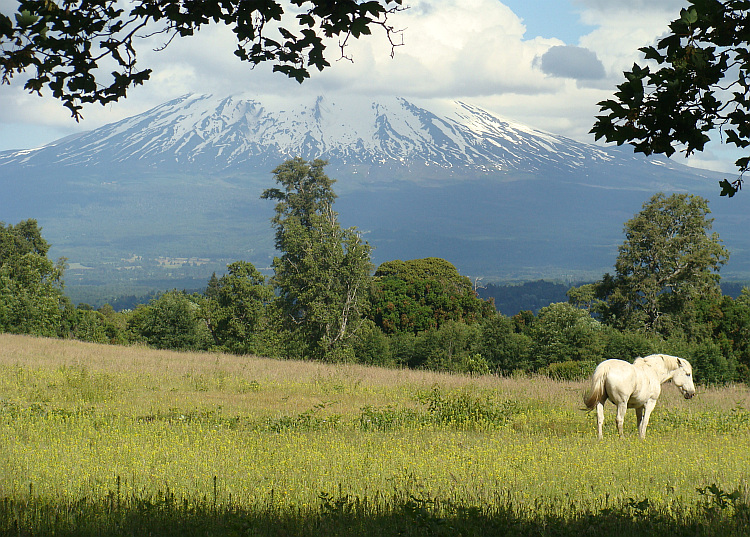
(596,393)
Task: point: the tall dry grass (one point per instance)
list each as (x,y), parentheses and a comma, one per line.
(129,440)
(236,382)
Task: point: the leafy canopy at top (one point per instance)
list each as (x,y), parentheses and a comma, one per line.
(701,85)
(71,45)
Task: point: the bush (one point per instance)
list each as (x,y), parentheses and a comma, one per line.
(563,332)
(571,370)
(448,348)
(710,366)
(372,347)
(171,321)
(503,348)
(627,345)
(469,408)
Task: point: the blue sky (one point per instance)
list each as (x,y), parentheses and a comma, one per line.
(550,18)
(545,63)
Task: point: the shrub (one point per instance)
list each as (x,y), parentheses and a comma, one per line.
(571,370)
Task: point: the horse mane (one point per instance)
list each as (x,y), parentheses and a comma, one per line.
(670,362)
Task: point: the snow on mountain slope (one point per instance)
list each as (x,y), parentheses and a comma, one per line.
(206,131)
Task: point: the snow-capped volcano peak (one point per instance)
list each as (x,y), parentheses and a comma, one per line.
(215,132)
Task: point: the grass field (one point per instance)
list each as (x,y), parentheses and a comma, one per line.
(104,440)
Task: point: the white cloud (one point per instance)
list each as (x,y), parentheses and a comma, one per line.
(624,27)
(468,48)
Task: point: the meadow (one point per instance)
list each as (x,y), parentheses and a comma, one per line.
(106,440)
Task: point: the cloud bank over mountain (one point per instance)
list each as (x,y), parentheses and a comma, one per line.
(480,51)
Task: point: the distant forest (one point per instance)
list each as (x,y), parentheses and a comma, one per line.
(533,296)
(527,296)
(510,298)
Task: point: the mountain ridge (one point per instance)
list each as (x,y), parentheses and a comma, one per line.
(227,132)
(418,178)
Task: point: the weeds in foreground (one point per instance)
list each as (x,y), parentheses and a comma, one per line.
(165,514)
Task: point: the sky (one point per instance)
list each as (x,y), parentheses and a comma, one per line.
(545,63)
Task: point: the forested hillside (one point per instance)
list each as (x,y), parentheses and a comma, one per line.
(528,296)
(326,300)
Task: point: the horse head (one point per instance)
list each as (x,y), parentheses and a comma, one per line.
(683,378)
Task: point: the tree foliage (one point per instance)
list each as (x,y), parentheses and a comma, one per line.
(701,84)
(235,308)
(31,297)
(171,321)
(421,294)
(670,258)
(562,333)
(70,45)
(323,272)
(504,347)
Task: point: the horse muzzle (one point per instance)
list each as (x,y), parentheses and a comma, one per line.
(689,395)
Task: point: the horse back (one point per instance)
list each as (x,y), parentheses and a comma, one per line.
(633,384)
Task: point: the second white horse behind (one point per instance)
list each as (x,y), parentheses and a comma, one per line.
(636,385)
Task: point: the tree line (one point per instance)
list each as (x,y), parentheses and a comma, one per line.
(326,301)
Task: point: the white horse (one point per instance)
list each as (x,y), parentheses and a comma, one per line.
(636,385)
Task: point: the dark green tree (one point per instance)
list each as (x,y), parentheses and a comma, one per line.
(670,259)
(629,344)
(235,308)
(70,47)
(86,324)
(171,321)
(31,286)
(450,347)
(372,347)
(421,294)
(701,83)
(503,347)
(726,322)
(21,239)
(323,273)
(563,333)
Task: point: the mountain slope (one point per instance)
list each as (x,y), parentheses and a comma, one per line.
(222,133)
(183,180)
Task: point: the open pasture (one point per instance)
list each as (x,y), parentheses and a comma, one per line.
(104,440)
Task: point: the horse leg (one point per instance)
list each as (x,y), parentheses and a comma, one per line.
(647,408)
(621,409)
(599,419)
(639,417)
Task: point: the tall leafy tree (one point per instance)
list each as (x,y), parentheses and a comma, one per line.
(235,308)
(669,259)
(419,294)
(503,347)
(700,83)
(31,296)
(726,323)
(323,272)
(21,239)
(71,46)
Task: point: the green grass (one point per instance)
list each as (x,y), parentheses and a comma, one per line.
(101,440)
